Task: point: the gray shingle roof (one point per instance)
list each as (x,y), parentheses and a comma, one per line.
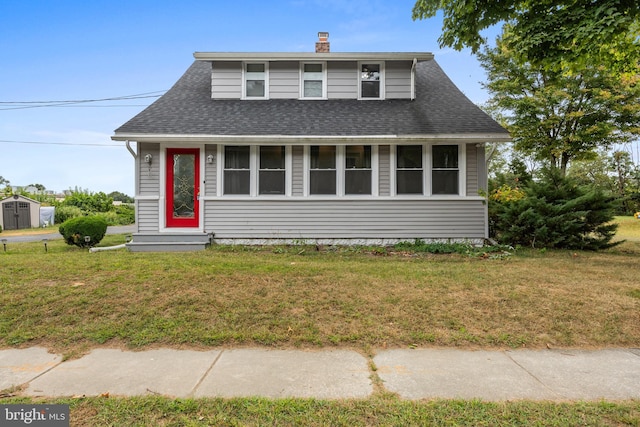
(187,109)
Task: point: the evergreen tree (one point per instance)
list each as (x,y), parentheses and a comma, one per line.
(556,213)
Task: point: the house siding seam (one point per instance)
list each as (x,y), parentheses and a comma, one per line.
(398,80)
(284,80)
(384,170)
(226,80)
(297,173)
(147,215)
(350,219)
(472,170)
(210,170)
(149,173)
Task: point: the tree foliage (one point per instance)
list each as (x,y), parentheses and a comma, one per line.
(545,31)
(85,231)
(560,115)
(554,213)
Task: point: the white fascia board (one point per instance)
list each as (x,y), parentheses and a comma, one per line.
(310,139)
(312,56)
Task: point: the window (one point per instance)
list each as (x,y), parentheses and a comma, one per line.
(313,81)
(370,77)
(444,171)
(272,170)
(322,169)
(255,80)
(357,174)
(409,169)
(237,172)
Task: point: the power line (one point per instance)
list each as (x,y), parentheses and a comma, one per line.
(21,105)
(59,143)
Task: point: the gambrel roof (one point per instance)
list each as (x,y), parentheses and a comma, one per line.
(439,109)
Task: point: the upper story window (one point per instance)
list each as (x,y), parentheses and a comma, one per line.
(409,169)
(255,80)
(445,169)
(371,80)
(313,80)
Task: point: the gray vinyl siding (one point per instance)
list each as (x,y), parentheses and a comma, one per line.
(397,80)
(482,169)
(284,80)
(149,173)
(147,210)
(297,173)
(210,172)
(472,170)
(147,215)
(384,170)
(226,80)
(346,219)
(342,80)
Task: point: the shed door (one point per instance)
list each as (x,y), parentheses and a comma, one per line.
(183,187)
(16,215)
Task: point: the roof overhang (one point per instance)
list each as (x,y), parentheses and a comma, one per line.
(311,139)
(312,56)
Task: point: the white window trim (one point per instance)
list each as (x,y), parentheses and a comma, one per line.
(427,168)
(324,80)
(254,173)
(341,174)
(462,170)
(382,80)
(245,77)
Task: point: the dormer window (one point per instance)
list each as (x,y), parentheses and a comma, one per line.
(371,80)
(313,80)
(255,80)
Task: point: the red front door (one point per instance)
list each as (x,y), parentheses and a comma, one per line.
(183,187)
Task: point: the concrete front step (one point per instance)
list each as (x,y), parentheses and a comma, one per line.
(169,242)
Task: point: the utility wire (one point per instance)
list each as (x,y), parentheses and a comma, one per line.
(58,143)
(20,105)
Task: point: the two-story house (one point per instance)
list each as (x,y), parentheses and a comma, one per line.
(366,148)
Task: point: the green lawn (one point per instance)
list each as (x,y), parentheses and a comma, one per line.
(290,297)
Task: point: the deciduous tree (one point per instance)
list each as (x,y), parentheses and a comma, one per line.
(559,115)
(546,32)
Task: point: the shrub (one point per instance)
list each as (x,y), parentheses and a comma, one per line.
(75,230)
(91,203)
(555,213)
(126,214)
(63,213)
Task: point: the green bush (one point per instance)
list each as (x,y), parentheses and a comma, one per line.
(555,213)
(63,213)
(75,230)
(126,214)
(91,203)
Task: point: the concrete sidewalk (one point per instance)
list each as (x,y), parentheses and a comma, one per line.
(557,375)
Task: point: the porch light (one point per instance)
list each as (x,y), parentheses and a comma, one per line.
(148,158)
(210,158)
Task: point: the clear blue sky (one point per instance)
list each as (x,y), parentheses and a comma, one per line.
(86,50)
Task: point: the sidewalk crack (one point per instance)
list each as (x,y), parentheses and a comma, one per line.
(206,374)
(533,376)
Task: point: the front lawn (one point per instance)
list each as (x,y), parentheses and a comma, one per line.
(69,300)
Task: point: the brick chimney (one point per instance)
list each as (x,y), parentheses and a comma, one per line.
(322,45)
